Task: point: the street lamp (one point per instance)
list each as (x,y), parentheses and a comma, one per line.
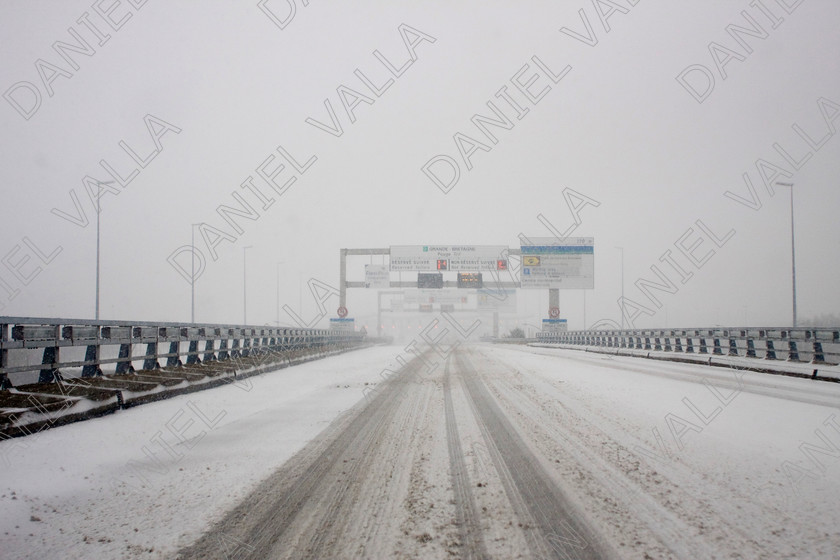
(792,249)
(535,327)
(192,276)
(278,291)
(584,309)
(245,284)
(622,285)
(98,210)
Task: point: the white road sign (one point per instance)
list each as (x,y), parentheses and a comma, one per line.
(503,300)
(439,258)
(554,325)
(549,262)
(377,276)
(342,324)
(435,296)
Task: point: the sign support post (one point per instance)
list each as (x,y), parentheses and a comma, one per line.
(553,300)
(342,289)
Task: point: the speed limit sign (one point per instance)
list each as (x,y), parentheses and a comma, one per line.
(342,312)
(554,312)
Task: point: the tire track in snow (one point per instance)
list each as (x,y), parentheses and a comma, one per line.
(467,516)
(267,521)
(560,532)
(671,531)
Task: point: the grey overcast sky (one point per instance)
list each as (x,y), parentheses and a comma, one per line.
(641,114)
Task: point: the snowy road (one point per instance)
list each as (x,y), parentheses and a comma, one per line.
(379,484)
(490,457)
(495,452)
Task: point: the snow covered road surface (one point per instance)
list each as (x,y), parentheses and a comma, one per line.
(510,452)
(143,482)
(691,462)
(378,485)
(504,452)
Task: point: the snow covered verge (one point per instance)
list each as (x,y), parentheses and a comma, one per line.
(706,459)
(143,482)
(823,371)
(40,406)
(748,458)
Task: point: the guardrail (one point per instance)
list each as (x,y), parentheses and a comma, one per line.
(771,343)
(112,345)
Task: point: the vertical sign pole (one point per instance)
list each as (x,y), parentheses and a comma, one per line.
(553,298)
(342,299)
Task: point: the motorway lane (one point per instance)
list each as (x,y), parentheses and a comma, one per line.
(391,479)
(557,529)
(477,459)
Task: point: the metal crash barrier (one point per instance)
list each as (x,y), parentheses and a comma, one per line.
(80,348)
(801,344)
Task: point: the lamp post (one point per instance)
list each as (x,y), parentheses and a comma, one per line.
(278,291)
(792,250)
(245,284)
(98,210)
(535,327)
(192,276)
(622,285)
(584,309)
(98,207)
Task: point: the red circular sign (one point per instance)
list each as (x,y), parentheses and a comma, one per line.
(554,312)
(342,312)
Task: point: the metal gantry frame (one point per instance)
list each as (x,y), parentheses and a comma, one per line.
(400,292)
(344,283)
(792,250)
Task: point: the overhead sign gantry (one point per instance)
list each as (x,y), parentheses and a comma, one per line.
(546,263)
(430,262)
(465,258)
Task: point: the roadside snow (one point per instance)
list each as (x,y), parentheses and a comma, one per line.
(760,451)
(145,481)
